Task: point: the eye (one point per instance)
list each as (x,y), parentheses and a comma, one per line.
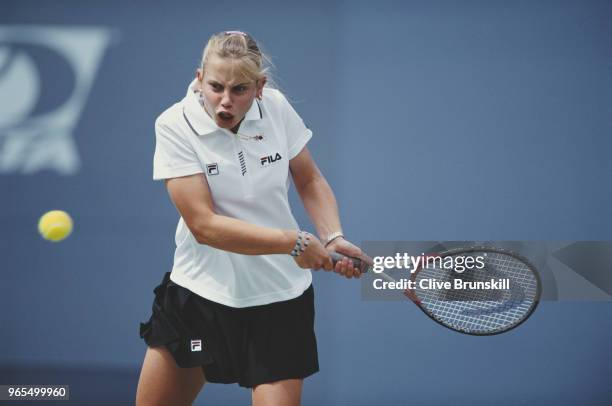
(216,87)
(240,88)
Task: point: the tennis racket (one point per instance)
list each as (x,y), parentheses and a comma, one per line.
(472,311)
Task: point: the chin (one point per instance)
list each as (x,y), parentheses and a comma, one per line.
(225,125)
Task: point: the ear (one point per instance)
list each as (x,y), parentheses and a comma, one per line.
(261,84)
(199,74)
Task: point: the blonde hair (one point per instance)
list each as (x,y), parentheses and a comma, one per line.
(242,48)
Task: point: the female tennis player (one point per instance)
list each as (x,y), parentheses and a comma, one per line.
(238,304)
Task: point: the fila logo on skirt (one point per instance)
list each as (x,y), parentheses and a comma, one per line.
(196,345)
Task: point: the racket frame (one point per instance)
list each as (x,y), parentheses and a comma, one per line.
(409,293)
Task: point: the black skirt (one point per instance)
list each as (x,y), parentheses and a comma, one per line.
(248,346)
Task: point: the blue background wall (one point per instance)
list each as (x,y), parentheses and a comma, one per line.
(477,120)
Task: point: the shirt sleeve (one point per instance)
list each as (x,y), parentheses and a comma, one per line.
(297,132)
(174,156)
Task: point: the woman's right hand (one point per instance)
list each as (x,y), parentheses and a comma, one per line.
(315,256)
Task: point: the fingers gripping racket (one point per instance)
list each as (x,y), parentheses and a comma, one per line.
(473,311)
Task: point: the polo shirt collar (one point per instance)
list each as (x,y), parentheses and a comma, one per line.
(199,121)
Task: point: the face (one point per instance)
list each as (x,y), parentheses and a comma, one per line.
(227,97)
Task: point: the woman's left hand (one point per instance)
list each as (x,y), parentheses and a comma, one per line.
(345,267)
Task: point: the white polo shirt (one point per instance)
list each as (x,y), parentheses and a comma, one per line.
(248,180)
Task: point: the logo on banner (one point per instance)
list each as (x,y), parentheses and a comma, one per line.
(46,74)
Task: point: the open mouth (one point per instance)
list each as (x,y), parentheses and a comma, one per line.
(224,116)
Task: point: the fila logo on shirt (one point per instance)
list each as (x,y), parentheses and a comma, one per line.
(212,169)
(270,159)
(196,345)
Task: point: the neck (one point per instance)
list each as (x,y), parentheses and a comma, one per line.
(235,128)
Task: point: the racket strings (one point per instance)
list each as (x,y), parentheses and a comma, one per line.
(481,311)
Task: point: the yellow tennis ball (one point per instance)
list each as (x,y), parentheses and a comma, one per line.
(55,225)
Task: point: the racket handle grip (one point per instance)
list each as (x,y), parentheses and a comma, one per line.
(357,263)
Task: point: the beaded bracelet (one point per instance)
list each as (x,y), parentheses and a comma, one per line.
(303,239)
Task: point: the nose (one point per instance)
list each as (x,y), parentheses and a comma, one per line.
(226,100)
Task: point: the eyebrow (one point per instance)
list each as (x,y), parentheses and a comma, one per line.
(214,82)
